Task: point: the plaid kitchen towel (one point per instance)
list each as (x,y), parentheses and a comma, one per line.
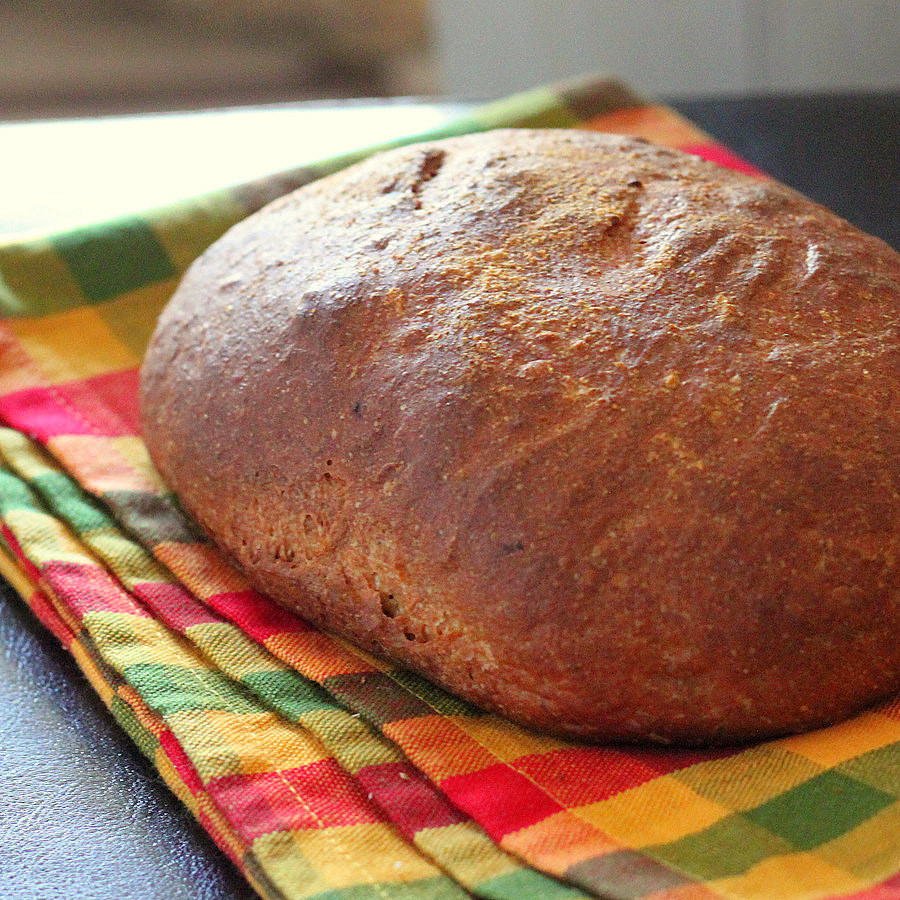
(321,771)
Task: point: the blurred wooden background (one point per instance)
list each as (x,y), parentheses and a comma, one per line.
(90,56)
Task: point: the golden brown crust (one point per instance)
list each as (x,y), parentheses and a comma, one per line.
(594,433)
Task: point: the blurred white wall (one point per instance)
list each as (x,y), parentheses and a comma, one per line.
(487,48)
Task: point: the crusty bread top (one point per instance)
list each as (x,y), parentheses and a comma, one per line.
(580,410)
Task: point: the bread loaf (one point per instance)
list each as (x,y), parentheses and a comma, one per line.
(596,434)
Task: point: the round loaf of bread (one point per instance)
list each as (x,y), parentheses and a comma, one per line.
(596,434)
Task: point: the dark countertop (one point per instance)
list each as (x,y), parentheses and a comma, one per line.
(84,815)
(841,150)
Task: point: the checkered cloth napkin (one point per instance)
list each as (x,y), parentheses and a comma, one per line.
(322,772)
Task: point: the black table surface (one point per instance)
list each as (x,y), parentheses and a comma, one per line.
(84,815)
(843,151)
